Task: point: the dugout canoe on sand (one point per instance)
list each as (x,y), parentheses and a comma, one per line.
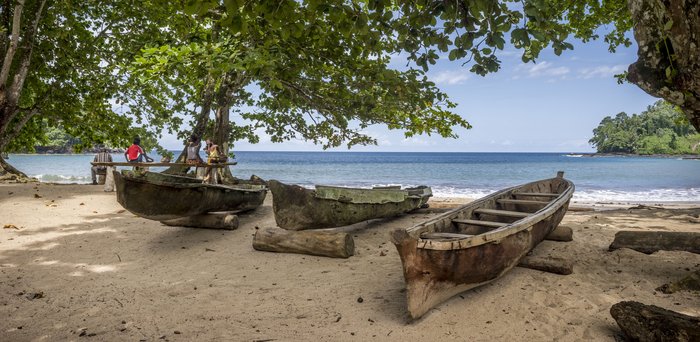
(298,208)
(159,196)
(478,242)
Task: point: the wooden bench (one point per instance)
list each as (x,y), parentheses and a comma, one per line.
(109,178)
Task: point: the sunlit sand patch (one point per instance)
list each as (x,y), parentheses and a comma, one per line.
(22,242)
(48,263)
(101,268)
(48,246)
(8,265)
(82,266)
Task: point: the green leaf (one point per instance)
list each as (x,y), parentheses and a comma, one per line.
(668,25)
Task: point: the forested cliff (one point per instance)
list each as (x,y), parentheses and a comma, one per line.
(661,129)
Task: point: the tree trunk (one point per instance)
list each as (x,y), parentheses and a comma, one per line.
(209,220)
(649,323)
(668,64)
(199,128)
(9,173)
(10,92)
(312,242)
(650,242)
(222,129)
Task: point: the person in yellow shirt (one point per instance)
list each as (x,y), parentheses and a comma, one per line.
(214,156)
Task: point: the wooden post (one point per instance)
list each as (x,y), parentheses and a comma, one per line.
(109,179)
(561,233)
(312,242)
(649,323)
(651,241)
(209,220)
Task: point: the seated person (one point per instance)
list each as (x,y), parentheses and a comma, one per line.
(214,156)
(193,146)
(136,154)
(101,157)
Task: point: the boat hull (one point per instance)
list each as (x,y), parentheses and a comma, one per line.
(297,208)
(437,270)
(162,197)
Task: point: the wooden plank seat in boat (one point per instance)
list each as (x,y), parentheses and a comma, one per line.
(536,194)
(440,235)
(490,224)
(497,212)
(519,201)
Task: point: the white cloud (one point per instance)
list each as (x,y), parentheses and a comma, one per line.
(543,69)
(602,71)
(416,141)
(450,77)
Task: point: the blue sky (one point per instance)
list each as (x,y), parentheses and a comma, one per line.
(549,106)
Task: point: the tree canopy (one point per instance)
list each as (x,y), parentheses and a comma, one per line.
(474,31)
(101,69)
(661,129)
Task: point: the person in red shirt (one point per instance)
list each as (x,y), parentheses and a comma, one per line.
(135,154)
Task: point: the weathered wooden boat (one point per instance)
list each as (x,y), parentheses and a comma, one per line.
(298,208)
(478,242)
(159,196)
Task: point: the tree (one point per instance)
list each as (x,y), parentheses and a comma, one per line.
(661,129)
(475,30)
(314,81)
(318,82)
(64,65)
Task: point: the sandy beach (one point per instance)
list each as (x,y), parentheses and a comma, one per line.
(76,266)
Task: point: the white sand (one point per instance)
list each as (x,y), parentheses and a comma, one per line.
(111,276)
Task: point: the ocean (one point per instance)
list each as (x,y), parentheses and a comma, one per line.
(473,175)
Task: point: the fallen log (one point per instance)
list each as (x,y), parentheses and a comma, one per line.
(690,282)
(651,241)
(649,323)
(551,265)
(581,209)
(561,233)
(209,220)
(312,242)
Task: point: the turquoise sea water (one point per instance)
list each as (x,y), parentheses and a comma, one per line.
(449,174)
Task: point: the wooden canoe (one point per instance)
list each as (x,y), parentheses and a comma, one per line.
(159,196)
(298,208)
(475,244)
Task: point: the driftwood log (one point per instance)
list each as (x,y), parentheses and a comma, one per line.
(209,220)
(649,323)
(651,241)
(551,265)
(690,282)
(561,233)
(313,242)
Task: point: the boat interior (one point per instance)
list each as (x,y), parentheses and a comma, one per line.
(495,211)
(157,177)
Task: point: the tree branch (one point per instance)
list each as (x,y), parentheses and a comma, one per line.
(28,46)
(5,140)
(10,54)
